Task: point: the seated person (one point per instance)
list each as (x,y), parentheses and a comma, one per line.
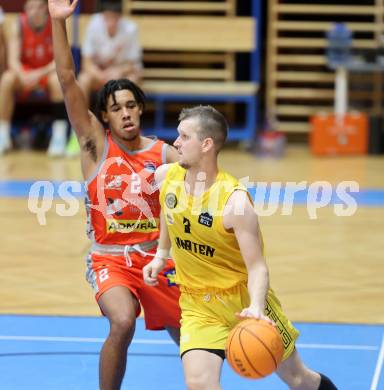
(110,50)
(31,72)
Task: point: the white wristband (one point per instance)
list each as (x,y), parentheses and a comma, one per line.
(162,253)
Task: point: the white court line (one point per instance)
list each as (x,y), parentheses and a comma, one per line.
(379,366)
(79,339)
(162,342)
(339,346)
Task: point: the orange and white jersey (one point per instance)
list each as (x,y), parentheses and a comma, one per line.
(36,46)
(122,199)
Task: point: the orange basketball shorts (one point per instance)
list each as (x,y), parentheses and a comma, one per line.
(160,303)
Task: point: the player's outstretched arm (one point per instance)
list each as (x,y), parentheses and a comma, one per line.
(242,219)
(83,121)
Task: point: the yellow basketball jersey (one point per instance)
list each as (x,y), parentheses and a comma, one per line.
(206,255)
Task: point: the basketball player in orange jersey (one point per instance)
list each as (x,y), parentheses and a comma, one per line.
(122,203)
(32,72)
(210,223)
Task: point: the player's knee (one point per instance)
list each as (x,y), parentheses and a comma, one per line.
(122,326)
(201,381)
(194,383)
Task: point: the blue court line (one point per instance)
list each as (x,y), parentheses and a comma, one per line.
(24,188)
(43,352)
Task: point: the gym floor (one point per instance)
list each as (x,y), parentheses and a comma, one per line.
(326,270)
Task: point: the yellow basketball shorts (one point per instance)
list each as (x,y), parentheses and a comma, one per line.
(208,317)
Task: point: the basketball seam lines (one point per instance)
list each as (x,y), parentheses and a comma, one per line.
(262,342)
(250,363)
(229,344)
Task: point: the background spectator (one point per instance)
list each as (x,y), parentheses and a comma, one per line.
(31,72)
(111,50)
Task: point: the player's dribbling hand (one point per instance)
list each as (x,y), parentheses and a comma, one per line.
(152,269)
(61,9)
(250,312)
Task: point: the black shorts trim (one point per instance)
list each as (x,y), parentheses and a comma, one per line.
(218,352)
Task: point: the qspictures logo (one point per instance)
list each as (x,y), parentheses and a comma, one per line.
(268,199)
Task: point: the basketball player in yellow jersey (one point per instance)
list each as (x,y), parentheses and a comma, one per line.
(210,223)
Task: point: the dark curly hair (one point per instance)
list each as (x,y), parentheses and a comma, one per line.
(111,87)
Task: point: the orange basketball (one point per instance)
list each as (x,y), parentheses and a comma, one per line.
(254,348)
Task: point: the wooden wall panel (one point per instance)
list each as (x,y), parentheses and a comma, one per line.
(299,82)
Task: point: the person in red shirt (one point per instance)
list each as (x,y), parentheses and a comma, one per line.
(122,204)
(31,72)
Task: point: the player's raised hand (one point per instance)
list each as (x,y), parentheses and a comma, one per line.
(61,9)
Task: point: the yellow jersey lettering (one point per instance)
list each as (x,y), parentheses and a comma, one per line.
(195,247)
